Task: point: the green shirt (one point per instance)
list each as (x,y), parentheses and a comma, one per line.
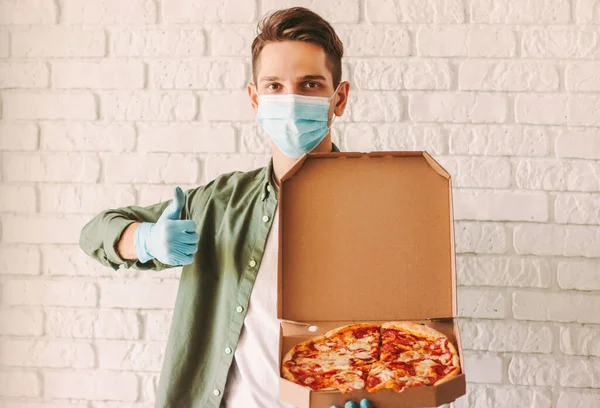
(233,214)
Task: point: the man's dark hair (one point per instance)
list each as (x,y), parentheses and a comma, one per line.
(299,24)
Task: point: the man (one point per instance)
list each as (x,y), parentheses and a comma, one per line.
(223,338)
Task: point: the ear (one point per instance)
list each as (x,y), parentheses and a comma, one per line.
(341,98)
(253,95)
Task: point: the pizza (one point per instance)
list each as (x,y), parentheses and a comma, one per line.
(394,355)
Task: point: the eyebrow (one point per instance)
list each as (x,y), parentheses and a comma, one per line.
(303,78)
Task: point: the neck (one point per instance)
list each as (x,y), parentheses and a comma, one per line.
(282,163)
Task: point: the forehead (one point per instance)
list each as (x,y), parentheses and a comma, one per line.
(286,59)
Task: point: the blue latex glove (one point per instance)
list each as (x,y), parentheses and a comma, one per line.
(170,240)
(351,404)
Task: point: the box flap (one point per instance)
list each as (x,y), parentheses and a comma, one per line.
(366,235)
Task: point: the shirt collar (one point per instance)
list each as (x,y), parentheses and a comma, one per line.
(270,184)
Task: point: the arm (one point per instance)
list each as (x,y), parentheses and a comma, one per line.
(109,236)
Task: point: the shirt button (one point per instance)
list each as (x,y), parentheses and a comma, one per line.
(239,309)
(216,393)
(266,218)
(227,350)
(252,263)
(263,196)
(268,188)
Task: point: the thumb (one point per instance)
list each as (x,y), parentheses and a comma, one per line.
(173,210)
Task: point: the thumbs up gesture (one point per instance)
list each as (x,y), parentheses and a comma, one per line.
(170,240)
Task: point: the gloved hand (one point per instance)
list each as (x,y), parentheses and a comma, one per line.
(351,404)
(170,240)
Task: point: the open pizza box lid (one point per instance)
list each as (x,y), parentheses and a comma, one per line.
(366,237)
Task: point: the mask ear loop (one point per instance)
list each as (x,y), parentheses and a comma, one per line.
(334,115)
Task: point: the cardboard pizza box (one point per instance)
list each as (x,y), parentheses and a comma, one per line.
(366,237)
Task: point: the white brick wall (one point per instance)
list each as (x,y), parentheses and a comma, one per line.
(109,103)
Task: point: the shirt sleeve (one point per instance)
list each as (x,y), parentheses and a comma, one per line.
(99,237)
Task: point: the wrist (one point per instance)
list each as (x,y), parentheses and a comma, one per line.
(140,241)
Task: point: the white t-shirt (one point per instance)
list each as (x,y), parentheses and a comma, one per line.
(253,380)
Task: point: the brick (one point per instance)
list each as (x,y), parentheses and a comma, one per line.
(214,11)
(465,107)
(489,205)
(506,336)
(48,404)
(414,11)
(586,12)
(583,110)
(583,341)
(43,353)
(13,12)
(151,42)
(20,260)
(58,41)
(541,109)
(480,238)
(520,12)
(149,387)
(19,384)
(372,137)
(499,140)
(18,136)
(480,75)
(492,172)
(372,106)
(231,106)
(60,229)
(104,12)
(49,105)
(4,44)
(563,240)
(391,74)
(216,165)
(149,195)
(577,208)
(232,41)
(15,74)
(90,323)
(558,175)
(578,143)
(70,260)
(462,42)
(580,372)
(187,138)
(83,199)
(107,74)
(151,168)
(16,321)
(578,399)
(254,139)
(197,74)
(508,396)
(579,274)
(148,105)
(483,368)
(17,198)
(582,77)
(50,167)
(558,307)
(49,293)
(481,303)
(128,356)
(106,404)
(503,271)
(368,41)
(338,11)
(87,136)
(157,325)
(138,295)
(560,42)
(97,385)
(534,370)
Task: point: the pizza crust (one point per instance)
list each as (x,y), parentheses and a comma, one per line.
(417,329)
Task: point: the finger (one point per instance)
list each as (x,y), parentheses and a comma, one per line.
(187,237)
(185,225)
(173,210)
(183,259)
(185,249)
(364,403)
(350,404)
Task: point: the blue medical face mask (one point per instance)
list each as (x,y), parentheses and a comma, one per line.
(295,123)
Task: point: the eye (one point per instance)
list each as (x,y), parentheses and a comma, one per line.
(272,85)
(316,85)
